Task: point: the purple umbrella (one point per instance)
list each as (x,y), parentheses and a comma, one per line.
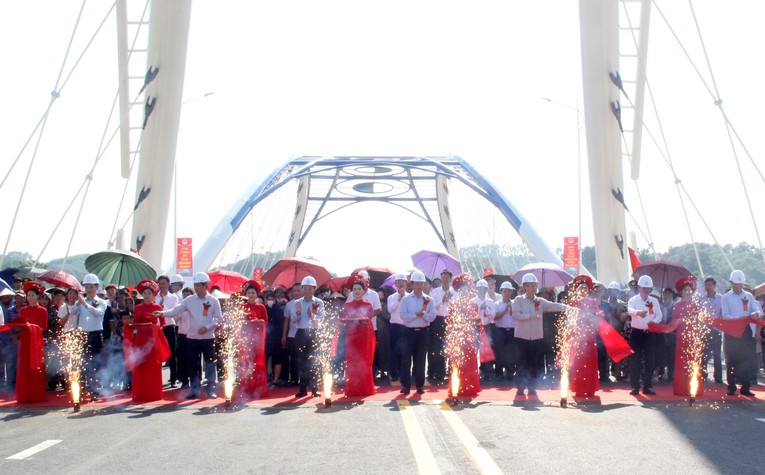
(664,272)
(431,263)
(390,282)
(548,275)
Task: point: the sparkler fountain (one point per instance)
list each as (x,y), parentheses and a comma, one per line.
(72,349)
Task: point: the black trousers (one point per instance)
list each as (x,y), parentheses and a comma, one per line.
(306,375)
(644,345)
(204,349)
(740,354)
(713,350)
(292,359)
(94,360)
(530,360)
(415,347)
(396,349)
(170,332)
(436,357)
(505,351)
(185,369)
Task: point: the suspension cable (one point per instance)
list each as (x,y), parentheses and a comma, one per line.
(718,103)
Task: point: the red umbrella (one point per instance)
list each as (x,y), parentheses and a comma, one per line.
(663,272)
(336,283)
(60,279)
(293,269)
(227,281)
(377,275)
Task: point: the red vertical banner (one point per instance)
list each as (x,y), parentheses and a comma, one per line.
(183,257)
(257,275)
(488,271)
(571,253)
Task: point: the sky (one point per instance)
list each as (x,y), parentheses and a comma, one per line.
(349,78)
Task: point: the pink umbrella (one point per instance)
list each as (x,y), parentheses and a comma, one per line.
(288,271)
(431,263)
(548,275)
(227,281)
(60,279)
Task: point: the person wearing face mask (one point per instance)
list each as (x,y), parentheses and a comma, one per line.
(274,350)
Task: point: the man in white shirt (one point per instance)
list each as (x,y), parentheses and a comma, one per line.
(90,319)
(644,309)
(504,333)
(204,315)
(417,312)
(396,326)
(305,314)
(711,302)
(442,296)
(486,311)
(169,300)
(529,332)
(740,353)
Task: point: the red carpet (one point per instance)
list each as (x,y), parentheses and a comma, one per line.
(609,395)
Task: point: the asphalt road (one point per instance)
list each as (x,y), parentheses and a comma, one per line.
(386,438)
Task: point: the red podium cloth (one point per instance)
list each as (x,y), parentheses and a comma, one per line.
(30,366)
(359,348)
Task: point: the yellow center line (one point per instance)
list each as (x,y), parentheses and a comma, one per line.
(478,455)
(426,463)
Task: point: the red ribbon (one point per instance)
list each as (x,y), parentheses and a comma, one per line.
(735,326)
(616,346)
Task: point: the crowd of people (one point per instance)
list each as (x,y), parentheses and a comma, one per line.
(448,330)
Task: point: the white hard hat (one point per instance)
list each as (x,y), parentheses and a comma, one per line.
(506,285)
(400,276)
(176,279)
(737,277)
(645,281)
(91,279)
(200,278)
(482,284)
(614,286)
(364,273)
(529,279)
(418,276)
(308,280)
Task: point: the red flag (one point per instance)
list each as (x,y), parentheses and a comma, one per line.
(616,346)
(734,327)
(485,349)
(634,261)
(487,271)
(664,327)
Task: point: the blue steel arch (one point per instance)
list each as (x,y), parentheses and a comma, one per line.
(450,166)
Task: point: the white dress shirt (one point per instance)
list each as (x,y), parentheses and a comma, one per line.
(528,316)
(637,304)
(486,309)
(394,308)
(506,320)
(90,317)
(292,325)
(195,306)
(442,307)
(733,306)
(411,305)
(302,313)
(167,302)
